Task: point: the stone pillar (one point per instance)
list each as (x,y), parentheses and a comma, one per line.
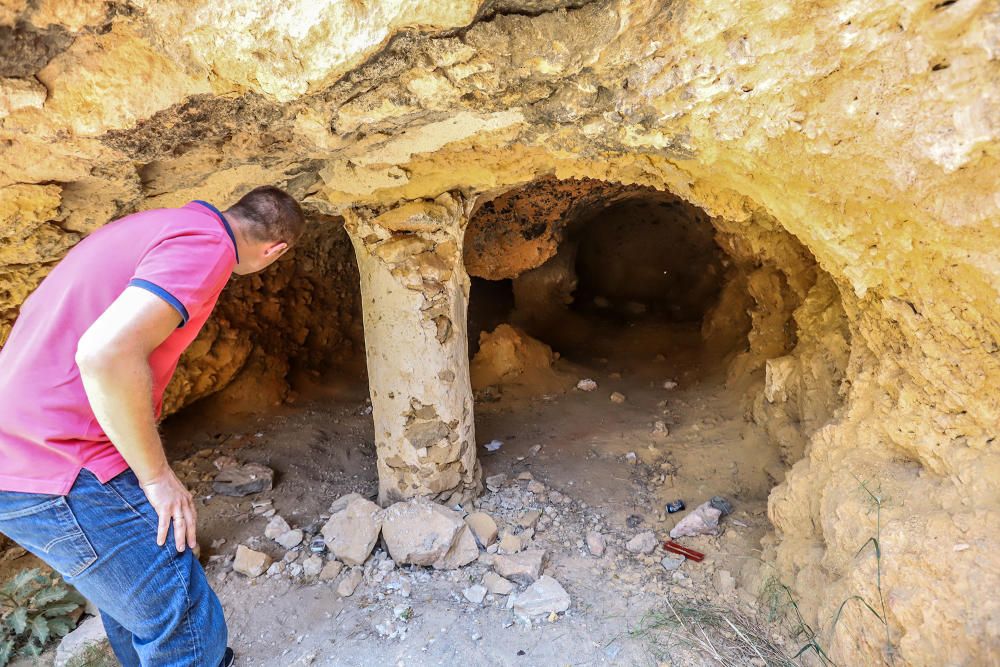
(415,294)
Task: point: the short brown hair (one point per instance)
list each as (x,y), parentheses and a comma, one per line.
(271,215)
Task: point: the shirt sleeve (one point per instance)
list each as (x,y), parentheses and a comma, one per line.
(187,271)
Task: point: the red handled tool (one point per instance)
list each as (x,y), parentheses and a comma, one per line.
(690,554)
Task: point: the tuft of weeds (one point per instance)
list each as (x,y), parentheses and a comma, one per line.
(781,604)
(726,636)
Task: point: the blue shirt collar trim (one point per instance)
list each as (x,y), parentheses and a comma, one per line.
(225,223)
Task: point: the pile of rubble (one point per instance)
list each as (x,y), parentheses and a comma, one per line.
(417,533)
(496,551)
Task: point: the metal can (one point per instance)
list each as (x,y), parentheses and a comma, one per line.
(675,506)
(318,545)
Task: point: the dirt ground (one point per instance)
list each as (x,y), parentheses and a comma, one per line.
(578,444)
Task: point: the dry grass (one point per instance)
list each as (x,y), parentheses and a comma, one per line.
(726,636)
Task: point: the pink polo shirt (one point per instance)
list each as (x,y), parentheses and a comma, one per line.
(48,431)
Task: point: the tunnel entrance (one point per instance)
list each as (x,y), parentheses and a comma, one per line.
(620,321)
(598,270)
(647,258)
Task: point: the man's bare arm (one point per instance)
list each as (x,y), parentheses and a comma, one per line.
(113,357)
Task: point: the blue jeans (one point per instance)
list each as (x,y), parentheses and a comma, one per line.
(157,606)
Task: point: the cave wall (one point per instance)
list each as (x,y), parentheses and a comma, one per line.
(866,131)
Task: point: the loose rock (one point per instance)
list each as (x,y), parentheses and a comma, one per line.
(643,543)
(545,596)
(596,543)
(524,568)
(353,528)
(484,528)
(529,518)
(243,480)
(511,544)
(703,520)
(350,582)
(475,594)
(420,532)
(249,562)
(495,482)
(617,397)
(312,566)
(671,563)
(331,570)
(276,527)
(290,539)
(464,551)
(586,385)
(721,504)
(497,585)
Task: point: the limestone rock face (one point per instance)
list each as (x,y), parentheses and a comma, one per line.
(847,155)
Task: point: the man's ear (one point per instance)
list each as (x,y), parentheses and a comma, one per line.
(276,250)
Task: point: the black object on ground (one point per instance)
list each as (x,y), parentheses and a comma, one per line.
(721,504)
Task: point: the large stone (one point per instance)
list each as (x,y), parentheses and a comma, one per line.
(545,596)
(353,529)
(243,480)
(703,520)
(524,567)
(511,543)
(88,642)
(249,562)
(421,532)
(462,552)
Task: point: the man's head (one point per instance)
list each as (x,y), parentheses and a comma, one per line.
(267,222)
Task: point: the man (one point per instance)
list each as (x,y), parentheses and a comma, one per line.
(84,482)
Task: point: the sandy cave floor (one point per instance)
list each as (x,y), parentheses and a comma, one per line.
(321,448)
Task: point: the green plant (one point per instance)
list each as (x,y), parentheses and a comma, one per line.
(34,609)
(780,599)
(875,541)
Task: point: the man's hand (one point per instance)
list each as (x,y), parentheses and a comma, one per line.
(173,502)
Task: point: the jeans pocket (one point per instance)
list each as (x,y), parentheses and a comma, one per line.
(47,529)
